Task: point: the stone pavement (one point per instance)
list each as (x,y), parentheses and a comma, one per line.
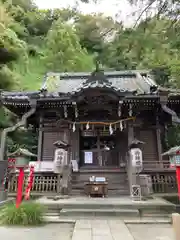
(48,232)
(90,230)
(151,231)
(117,230)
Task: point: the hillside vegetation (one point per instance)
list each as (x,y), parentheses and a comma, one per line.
(33,42)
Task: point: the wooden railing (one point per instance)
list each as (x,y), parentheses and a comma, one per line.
(164,182)
(42,184)
(46,184)
(157,165)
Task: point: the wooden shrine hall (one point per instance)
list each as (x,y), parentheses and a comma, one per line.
(99,115)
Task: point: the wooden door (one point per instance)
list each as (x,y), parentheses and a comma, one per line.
(108,153)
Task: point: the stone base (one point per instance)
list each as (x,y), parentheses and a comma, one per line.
(3,195)
(58,197)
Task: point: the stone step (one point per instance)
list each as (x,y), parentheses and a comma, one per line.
(102,173)
(67,219)
(111,176)
(110,186)
(55,207)
(115,192)
(117,182)
(86,169)
(99,212)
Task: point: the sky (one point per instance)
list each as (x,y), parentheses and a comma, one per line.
(118,9)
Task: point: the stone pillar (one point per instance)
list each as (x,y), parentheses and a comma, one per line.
(176,224)
(134,180)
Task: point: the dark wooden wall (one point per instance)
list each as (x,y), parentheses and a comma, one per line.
(48,139)
(122,147)
(149,136)
(74,141)
(150,148)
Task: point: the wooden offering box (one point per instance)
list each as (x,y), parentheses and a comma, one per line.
(97,188)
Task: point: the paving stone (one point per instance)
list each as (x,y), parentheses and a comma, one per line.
(121,233)
(83,224)
(102,238)
(82,234)
(115,224)
(48,232)
(151,231)
(103,232)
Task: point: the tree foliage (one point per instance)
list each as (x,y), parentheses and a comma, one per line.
(68,55)
(34,41)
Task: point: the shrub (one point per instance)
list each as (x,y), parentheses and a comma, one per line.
(28,213)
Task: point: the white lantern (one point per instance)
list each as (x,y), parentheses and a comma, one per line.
(136,158)
(60,159)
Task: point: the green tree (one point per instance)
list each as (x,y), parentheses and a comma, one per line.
(68,55)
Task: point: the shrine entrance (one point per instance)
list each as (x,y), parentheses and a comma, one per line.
(99,148)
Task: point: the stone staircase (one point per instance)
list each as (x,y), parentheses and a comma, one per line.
(117,180)
(123,208)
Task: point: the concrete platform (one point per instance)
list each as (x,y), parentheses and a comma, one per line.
(116,208)
(105,202)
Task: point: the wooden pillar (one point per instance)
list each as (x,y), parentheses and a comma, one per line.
(75,140)
(130,133)
(100,160)
(40,140)
(159,146)
(131,175)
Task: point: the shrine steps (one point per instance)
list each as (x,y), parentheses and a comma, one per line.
(112,208)
(117,181)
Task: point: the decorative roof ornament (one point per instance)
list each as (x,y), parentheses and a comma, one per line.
(22,152)
(98,76)
(136,143)
(172,151)
(61,144)
(50,82)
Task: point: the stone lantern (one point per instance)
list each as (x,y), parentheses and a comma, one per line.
(174,157)
(22,159)
(135,167)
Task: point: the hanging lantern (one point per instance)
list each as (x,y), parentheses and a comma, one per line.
(110,129)
(74,127)
(87,126)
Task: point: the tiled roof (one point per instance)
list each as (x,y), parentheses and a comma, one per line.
(64,85)
(127,81)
